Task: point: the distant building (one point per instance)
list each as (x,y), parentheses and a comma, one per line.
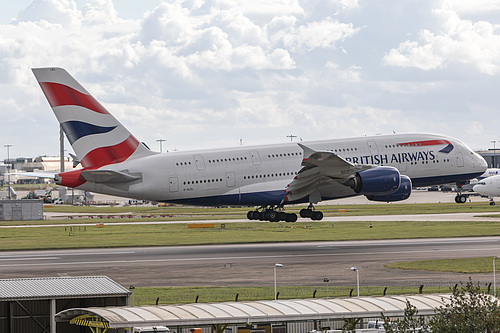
(492,157)
(48,164)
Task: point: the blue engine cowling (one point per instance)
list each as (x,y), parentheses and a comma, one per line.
(402,193)
(375,181)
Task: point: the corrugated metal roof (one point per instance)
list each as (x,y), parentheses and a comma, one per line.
(259,311)
(60,287)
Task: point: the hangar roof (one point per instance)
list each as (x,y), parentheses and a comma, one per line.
(198,314)
(60,287)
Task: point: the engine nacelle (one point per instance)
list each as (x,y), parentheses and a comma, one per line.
(379,180)
(402,193)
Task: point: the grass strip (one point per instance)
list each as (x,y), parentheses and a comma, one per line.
(176,234)
(462,265)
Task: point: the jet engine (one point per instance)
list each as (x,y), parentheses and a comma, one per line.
(375,181)
(402,193)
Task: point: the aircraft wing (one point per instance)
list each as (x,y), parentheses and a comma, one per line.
(108,176)
(323,175)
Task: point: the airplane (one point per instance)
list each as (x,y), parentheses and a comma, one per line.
(382,167)
(469,185)
(489,187)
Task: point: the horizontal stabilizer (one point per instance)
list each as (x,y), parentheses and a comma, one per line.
(108,176)
(34,174)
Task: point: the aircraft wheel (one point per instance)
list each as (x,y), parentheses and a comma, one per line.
(462,199)
(291,217)
(282,216)
(492,203)
(273,216)
(306,212)
(316,215)
(256,215)
(456,199)
(250,215)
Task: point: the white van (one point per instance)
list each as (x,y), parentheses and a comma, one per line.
(153,329)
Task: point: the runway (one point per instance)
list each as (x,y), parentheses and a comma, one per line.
(252,265)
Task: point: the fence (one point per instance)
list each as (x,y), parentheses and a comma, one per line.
(151,296)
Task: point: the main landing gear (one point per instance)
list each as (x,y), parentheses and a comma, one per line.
(272,215)
(309,212)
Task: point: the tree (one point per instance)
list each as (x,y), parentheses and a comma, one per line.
(410,322)
(469,310)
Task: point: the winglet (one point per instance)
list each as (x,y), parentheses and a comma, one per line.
(307,151)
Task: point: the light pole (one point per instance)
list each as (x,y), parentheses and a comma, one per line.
(494,277)
(132,289)
(161,141)
(275,265)
(354,269)
(8,167)
(494,154)
(326,280)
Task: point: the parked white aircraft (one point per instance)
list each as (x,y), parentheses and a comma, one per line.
(469,186)
(489,187)
(383,168)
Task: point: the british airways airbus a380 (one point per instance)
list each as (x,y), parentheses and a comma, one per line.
(382,167)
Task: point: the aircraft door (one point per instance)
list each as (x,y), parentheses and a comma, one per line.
(373,147)
(255,157)
(200,163)
(230,179)
(460,160)
(173,184)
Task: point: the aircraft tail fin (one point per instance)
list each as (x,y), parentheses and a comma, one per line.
(96,136)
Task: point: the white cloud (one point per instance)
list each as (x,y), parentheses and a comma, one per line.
(63,12)
(467,7)
(458,41)
(203,74)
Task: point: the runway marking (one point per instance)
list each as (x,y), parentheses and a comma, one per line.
(95,262)
(416,242)
(63,254)
(28,258)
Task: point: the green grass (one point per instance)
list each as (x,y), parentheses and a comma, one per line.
(234,233)
(463,265)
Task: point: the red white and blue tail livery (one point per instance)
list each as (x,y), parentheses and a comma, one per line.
(96,136)
(382,168)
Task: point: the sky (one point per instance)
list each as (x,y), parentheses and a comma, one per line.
(223,73)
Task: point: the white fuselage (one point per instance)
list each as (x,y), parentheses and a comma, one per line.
(488,187)
(259,175)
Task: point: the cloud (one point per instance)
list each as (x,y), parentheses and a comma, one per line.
(62,12)
(203,74)
(458,41)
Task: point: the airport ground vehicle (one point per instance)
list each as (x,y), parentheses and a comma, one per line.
(153,329)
